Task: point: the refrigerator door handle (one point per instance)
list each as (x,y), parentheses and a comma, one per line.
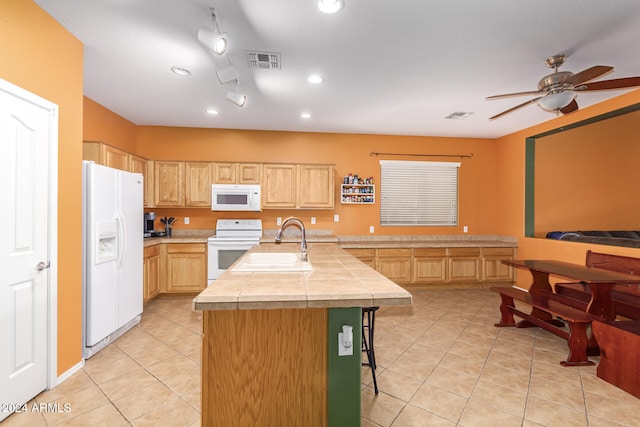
(122,238)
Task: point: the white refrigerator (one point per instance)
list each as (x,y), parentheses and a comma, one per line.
(112,220)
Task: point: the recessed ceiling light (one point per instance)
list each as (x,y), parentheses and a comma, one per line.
(315,79)
(181,71)
(212,111)
(330,6)
(305,115)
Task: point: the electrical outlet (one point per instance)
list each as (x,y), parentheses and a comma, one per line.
(186,220)
(371,229)
(465,229)
(336,218)
(313,220)
(278,221)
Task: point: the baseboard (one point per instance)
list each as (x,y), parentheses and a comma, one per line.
(68,373)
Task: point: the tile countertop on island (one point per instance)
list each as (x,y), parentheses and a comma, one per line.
(337,280)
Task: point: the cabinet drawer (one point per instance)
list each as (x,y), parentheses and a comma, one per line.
(457,252)
(497,251)
(151,251)
(182,248)
(394,252)
(430,252)
(362,252)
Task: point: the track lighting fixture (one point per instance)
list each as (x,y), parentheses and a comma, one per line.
(236,97)
(330,6)
(214,40)
(227,74)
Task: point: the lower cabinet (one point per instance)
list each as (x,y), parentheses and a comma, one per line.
(151,272)
(186,267)
(426,266)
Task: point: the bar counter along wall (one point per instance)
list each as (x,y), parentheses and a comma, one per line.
(270,344)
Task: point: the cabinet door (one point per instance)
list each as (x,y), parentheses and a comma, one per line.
(366,255)
(224,173)
(316,187)
(464,264)
(279,186)
(248,173)
(493,269)
(186,267)
(149,184)
(430,265)
(115,158)
(168,183)
(151,272)
(139,165)
(395,264)
(197,186)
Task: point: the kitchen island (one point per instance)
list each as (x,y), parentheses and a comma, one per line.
(270,340)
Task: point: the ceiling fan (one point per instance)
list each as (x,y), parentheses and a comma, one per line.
(558,90)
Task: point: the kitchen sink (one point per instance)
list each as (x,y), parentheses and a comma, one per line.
(272,261)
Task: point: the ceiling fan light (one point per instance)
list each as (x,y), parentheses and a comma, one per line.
(556,101)
(236,98)
(217,43)
(330,6)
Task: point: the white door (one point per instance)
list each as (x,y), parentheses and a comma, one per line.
(27,127)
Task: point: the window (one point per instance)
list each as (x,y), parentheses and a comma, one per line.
(418,193)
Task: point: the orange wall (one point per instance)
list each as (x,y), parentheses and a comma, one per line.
(510,158)
(350,153)
(101,124)
(39,55)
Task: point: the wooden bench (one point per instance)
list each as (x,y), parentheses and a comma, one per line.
(626,298)
(619,349)
(545,307)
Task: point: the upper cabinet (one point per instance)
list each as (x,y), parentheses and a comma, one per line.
(106,155)
(168,185)
(197,184)
(293,186)
(236,173)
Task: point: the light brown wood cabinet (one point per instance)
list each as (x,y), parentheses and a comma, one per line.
(139,165)
(197,186)
(236,173)
(395,264)
(168,183)
(293,186)
(106,155)
(151,272)
(429,265)
(186,267)
(434,266)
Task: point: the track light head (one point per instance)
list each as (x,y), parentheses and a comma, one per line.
(236,98)
(217,43)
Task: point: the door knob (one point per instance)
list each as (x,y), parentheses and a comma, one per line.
(43,266)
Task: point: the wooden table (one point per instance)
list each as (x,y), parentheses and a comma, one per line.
(599,281)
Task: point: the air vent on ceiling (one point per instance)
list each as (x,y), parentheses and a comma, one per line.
(264,60)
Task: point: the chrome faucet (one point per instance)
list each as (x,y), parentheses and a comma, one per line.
(303,243)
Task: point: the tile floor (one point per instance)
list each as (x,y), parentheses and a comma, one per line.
(441,363)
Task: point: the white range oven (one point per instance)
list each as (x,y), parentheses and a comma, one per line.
(233,238)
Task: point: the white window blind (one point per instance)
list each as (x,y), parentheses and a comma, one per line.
(418,193)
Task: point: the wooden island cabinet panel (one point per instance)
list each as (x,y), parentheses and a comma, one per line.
(395,264)
(464,264)
(366,255)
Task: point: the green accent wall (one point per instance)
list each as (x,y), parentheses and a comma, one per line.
(344,371)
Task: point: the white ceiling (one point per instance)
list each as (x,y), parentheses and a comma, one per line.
(391,67)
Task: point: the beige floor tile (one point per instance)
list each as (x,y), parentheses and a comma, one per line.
(555,373)
(127,383)
(412,416)
(509,361)
(183,382)
(159,351)
(144,401)
(382,409)
(26,418)
(477,414)
(414,368)
(625,412)
(398,385)
(556,393)
(466,365)
(103,416)
(452,380)
(515,380)
(441,402)
(550,414)
(172,366)
(194,399)
(73,405)
(174,413)
(499,397)
(77,382)
(106,371)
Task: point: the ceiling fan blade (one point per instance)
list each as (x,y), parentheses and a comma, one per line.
(588,74)
(610,84)
(573,106)
(531,101)
(509,95)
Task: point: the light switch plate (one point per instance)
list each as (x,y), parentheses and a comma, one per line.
(186,220)
(371,229)
(278,221)
(313,220)
(336,218)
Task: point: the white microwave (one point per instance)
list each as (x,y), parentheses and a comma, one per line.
(235,197)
